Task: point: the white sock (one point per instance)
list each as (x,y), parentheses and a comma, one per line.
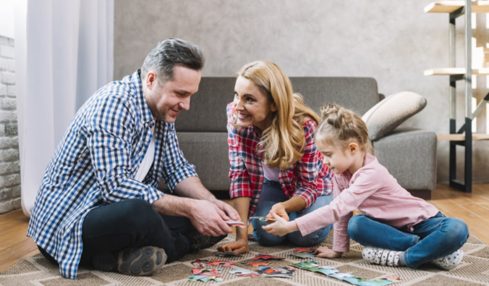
(381,256)
(450,261)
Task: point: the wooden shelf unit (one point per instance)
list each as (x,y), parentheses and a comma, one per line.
(455,71)
(462,136)
(453,6)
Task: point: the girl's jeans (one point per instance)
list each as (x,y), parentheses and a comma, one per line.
(271,194)
(433,238)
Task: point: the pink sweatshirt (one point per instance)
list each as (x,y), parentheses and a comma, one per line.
(373,191)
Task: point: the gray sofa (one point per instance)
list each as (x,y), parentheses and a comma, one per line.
(410,155)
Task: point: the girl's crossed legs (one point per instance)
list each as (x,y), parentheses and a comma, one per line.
(433,238)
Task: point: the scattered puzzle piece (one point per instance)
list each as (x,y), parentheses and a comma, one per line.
(242,272)
(276,272)
(255,263)
(304,252)
(312,266)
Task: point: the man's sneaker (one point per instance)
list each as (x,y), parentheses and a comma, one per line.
(450,261)
(199,241)
(379,256)
(141,261)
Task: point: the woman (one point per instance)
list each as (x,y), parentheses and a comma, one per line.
(275,166)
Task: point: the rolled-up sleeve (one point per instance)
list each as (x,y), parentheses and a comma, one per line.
(238,175)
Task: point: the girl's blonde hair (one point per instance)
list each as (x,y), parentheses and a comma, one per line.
(283,142)
(341,125)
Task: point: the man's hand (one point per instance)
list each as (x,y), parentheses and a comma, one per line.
(238,247)
(327,252)
(208,218)
(229,211)
(280,227)
(278,209)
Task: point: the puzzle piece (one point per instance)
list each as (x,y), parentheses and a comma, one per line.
(242,272)
(313,266)
(304,252)
(276,272)
(255,263)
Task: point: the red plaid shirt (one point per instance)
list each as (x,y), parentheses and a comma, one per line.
(308,178)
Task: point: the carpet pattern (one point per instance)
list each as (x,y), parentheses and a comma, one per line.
(474,270)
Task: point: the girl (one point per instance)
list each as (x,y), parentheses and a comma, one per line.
(395,228)
(275,165)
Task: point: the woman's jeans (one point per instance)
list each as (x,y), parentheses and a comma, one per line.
(433,238)
(133,223)
(271,194)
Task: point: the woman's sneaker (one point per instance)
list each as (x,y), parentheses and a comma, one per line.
(379,256)
(141,261)
(450,261)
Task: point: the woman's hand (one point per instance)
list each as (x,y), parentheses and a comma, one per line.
(326,252)
(280,227)
(278,209)
(237,247)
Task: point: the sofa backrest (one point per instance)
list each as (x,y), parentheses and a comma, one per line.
(208,107)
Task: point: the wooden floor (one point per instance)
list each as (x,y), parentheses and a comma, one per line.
(472,208)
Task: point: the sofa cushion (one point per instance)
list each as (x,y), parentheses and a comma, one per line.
(390,112)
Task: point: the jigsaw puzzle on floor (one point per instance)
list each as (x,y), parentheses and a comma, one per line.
(283,265)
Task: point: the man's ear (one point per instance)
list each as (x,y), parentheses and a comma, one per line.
(151,79)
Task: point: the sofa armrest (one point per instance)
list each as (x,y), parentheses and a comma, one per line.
(410,156)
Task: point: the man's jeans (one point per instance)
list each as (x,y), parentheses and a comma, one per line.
(271,194)
(133,223)
(433,238)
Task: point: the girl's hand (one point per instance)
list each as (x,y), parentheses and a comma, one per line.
(238,247)
(327,252)
(279,210)
(280,227)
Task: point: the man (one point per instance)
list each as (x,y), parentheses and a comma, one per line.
(99,204)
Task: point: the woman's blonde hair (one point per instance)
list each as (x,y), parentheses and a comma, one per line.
(283,142)
(341,125)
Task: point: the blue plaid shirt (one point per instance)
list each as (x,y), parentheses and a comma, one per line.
(96,163)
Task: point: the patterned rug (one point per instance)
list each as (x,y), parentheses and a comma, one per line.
(474,270)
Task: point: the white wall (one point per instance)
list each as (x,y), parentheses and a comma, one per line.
(7,18)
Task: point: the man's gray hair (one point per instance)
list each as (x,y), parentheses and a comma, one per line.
(169,53)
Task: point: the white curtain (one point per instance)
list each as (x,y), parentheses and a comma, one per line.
(64,52)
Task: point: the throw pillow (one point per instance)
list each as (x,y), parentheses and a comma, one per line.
(390,112)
